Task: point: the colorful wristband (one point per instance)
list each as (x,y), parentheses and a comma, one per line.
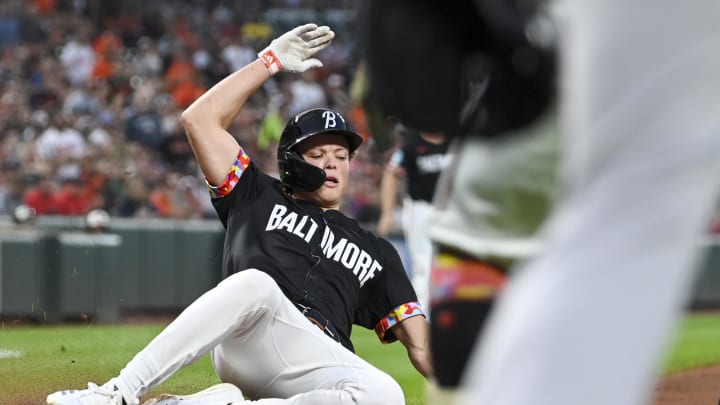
(271,61)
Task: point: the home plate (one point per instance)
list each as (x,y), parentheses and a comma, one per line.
(9,354)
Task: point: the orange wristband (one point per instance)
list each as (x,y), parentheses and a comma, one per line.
(271,61)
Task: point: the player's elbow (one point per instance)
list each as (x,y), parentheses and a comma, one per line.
(190,120)
(196,123)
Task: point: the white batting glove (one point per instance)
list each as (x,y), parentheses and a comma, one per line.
(292,50)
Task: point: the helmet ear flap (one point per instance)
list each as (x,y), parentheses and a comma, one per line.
(297,174)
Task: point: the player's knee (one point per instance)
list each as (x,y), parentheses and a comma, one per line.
(391,393)
(253,283)
(381,390)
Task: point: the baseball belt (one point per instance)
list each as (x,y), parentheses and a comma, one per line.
(320,320)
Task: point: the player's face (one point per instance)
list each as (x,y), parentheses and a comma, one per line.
(330,153)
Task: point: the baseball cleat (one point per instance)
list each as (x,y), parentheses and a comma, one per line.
(107,394)
(220,394)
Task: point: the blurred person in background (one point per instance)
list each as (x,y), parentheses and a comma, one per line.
(103,135)
(40,195)
(12,189)
(147,60)
(144,124)
(83,99)
(61,145)
(181,78)
(77,55)
(305,93)
(108,56)
(134,201)
(417,162)
(237,52)
(10,149)
(73,197)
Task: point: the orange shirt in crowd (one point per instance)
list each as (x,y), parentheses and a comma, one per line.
(162,202)
(179,71)
(44,6)
(185,93)
(103,69)
(108,41)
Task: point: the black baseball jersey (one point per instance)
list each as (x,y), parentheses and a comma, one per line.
(422,162)
(321,259)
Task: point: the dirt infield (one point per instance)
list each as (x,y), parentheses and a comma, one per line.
(695,387)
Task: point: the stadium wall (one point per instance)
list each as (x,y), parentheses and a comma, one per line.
(55,270)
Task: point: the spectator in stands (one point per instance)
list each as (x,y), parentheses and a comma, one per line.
(147,60)
(144,124)
(78,57)
(40,196)
(61,146)
(306,93)
(73,198)
(134,201)
(12,189)
(237,52)
(181,79)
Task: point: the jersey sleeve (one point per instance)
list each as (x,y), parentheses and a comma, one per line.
(239,166)
(242,184)
(390,299)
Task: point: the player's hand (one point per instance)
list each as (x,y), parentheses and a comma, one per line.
(292,51)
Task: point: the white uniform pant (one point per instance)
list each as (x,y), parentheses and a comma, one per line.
(416,220)
(263,344)
(587,321)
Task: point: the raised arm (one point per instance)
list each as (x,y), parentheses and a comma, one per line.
(207,119)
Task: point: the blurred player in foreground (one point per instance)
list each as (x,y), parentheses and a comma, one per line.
(497,104)
(298,272)
(587,320)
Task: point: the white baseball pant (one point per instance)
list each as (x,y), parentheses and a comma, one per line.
(263,344)
(416,217)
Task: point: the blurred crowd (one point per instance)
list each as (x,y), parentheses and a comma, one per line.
(91,92)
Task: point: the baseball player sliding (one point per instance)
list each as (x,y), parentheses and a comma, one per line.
(298,272)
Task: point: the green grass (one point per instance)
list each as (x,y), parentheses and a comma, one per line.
(64,357)
(696,343)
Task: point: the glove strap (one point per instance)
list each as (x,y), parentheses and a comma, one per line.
(271,61)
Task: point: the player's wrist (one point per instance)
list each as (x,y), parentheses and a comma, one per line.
(271,61)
